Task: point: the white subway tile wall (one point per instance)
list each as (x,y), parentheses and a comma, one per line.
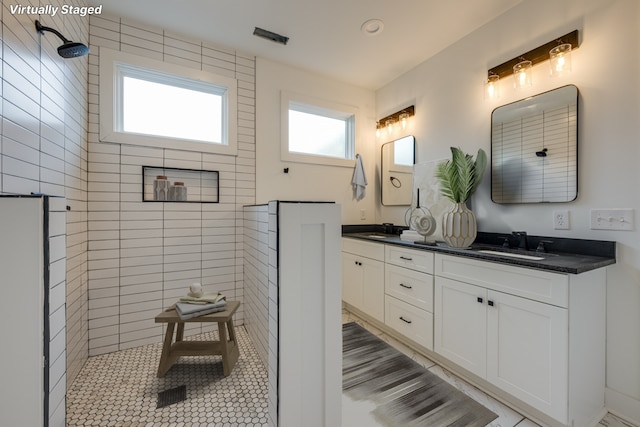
(143,256)
(256,277)
(57,311)
(261,289)
(43,148)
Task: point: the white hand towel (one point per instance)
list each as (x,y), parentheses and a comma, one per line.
(359,180)
(410,235)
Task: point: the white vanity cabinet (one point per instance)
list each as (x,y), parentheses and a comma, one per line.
(536,335)
(409,293)
(363,276)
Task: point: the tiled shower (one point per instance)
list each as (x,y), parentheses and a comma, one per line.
(142,256)
(126,259)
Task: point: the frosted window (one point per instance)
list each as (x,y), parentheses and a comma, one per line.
(320,131)
(153,108)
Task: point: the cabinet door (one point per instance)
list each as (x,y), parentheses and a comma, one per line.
(527,351)
(460,324)
(352,280)
(373,288)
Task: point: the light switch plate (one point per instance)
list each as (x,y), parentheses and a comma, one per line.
(561,220)
(612,219)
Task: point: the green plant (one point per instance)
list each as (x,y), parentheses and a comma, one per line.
(460,176)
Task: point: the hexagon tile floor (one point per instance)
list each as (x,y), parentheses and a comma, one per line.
(121,389)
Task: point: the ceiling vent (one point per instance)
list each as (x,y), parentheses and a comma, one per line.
(270,36)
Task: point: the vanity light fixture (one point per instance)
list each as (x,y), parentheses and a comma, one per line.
(401,117)
(553,51)
(560,59)
(522,74)
(491,87)
(389,125)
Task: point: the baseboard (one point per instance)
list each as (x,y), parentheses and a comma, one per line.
(622,406)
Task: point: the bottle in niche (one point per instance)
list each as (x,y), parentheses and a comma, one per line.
(161,188)
(179,192)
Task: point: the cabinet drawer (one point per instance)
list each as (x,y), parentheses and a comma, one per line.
(543,286)
(410,321)
(410,286)
(409,258)
(363,248)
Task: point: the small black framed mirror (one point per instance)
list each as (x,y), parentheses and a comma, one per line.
(398,158)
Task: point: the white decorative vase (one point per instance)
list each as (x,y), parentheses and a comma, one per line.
(161,188)
(459,227)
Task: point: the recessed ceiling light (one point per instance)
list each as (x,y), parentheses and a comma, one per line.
(372,27)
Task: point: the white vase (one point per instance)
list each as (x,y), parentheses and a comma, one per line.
(161,188)
(459,227)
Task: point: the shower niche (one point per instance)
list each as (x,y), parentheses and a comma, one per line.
(176,185)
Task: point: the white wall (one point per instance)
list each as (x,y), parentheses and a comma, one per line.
(307,181)
(451,111)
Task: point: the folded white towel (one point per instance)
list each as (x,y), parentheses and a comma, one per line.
(359,180)
(186,310)
(410,235)
(204,299)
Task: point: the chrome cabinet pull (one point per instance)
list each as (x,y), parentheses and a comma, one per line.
(405,320)
(406,286)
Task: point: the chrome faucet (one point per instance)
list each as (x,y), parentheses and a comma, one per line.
(521,239)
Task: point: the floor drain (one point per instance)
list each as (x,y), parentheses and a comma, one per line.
(171,396)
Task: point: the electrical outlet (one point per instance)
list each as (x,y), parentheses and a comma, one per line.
(612,219)
(561,220)
(363,214)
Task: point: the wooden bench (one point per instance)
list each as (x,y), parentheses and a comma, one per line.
(226,346)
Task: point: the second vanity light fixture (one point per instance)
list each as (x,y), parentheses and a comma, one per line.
(401,117)
(557,51)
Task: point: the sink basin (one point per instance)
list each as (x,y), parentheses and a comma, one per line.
(511,254)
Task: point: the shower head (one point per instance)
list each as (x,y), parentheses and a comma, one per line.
(72,49)
(68,49)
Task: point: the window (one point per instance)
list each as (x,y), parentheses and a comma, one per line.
(316,131)
(163,109)
(403,151)
(157,104)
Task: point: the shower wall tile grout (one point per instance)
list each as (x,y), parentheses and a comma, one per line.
(43,144)
(143,256)
(123,263)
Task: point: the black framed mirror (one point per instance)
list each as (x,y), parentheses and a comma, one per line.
(534,149)
(398,158)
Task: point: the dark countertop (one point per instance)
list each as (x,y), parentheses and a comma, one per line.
(573,256)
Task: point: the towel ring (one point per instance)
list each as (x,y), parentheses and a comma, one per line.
(395,182)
